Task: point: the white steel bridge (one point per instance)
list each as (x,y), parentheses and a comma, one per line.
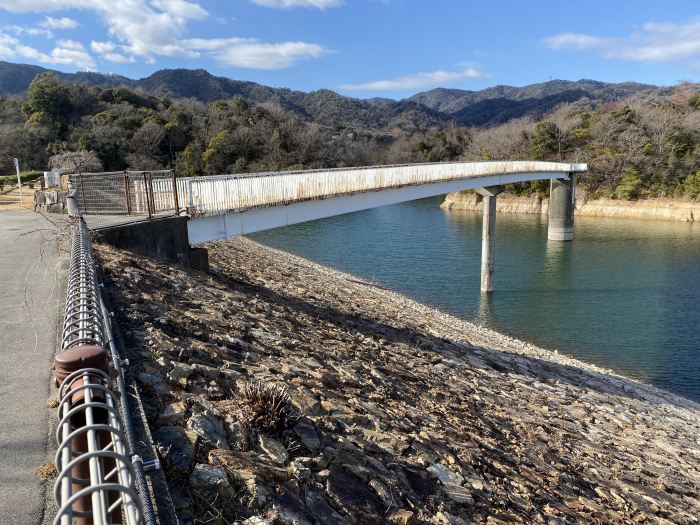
(224,206)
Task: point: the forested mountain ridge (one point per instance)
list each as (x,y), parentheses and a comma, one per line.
(431,109)
(323,107)
(499,104)
(647,144)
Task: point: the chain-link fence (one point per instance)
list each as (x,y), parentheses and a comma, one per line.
(113,198)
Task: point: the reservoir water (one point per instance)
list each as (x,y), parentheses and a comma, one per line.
(625,294)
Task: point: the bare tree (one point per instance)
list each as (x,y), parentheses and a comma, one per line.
(75,162)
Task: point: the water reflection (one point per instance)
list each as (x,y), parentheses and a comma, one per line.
(624,293)
(483,316)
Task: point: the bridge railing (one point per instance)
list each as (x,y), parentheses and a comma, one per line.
(108,199)
(216,194)
(119,197)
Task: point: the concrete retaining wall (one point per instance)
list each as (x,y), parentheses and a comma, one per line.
(656,209)
(162,239)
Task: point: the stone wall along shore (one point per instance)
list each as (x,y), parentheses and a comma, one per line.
(655,209)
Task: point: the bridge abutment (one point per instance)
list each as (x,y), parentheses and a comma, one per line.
(488,235)
(561,209)
(164,239)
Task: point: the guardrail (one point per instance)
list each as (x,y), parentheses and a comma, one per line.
(221,193)
(119,197)
(98,481)
(109,199)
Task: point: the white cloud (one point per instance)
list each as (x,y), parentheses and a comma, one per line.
(252,53)
(108,51)
(65,52)
(288,4)
(573,41)
(260,55)
(118,58)
(59,23)
(151,28)
(102,47)
(72,53)
(45,28)
(418,80)
(654,42)
(37,31)
(182,9)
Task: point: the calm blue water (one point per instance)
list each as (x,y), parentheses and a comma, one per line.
(624,294)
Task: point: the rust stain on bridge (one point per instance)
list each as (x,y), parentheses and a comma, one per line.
(117,198)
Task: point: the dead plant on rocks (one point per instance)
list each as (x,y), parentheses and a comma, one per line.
(265,407)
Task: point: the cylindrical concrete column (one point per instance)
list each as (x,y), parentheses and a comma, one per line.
(488,243)
(488,235)
(561,209)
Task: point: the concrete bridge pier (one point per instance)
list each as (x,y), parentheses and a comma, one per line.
(561,209)
(488,235)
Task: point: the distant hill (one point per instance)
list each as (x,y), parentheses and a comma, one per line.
(499,104)
(323,106)
(428,110)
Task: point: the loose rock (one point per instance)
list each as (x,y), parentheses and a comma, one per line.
(399,413)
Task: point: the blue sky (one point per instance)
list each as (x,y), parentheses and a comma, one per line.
(362,48)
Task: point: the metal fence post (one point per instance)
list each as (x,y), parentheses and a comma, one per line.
(151,197)
(127,193)
(83,208)
(145,189)
(177,201)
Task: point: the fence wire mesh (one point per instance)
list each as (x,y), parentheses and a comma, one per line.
(114,198)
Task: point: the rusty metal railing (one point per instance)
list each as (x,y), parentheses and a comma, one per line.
(221,193)
(109,199)
(120,197)
(96,482)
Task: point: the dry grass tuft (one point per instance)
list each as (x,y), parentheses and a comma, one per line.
(52,403)
(47,470)
(265,407)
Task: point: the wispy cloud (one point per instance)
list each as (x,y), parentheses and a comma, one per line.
(108,51)
(418,80)
(147,29)
(118,58)
(59,23)
(45,28)
(653,42)
(289,4)
(573,41)
(65,52)
(252,53)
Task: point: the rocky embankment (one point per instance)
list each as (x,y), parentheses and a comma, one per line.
(396,414)
(657,209)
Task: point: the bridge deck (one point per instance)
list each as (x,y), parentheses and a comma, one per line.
(280,198)
(226,193)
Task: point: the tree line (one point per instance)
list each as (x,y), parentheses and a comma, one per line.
(638,147)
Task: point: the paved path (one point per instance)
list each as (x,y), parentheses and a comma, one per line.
(32,290)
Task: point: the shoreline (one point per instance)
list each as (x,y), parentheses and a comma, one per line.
(398,413)
(488,338)
(662,209)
